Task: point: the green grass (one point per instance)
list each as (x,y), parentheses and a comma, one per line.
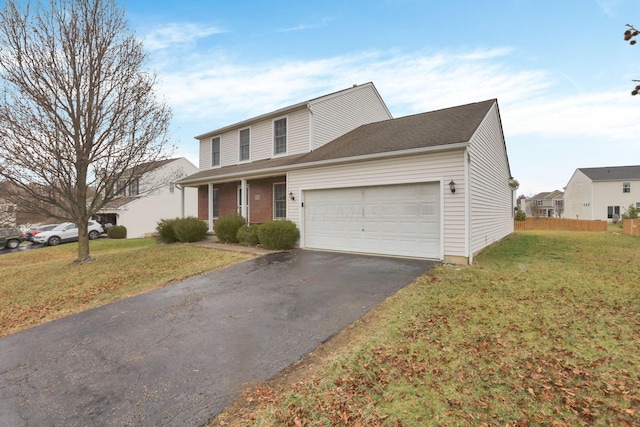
(44,284)
(543,330)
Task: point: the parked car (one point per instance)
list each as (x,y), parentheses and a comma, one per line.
(67,232)
(10,238)
(39,229)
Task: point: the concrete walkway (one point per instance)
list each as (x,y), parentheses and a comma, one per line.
(177,356)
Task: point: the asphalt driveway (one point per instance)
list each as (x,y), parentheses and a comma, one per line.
(178,355)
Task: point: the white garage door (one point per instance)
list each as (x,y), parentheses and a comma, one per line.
(391,219)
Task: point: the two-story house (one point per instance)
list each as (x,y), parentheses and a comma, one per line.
(546,204)
(602,193)
(434,185)
(151,197)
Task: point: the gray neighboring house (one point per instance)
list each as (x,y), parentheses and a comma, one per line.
(435,185)
(548,204)
(602,193)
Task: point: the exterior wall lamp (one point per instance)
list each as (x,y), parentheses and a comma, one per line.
(452,186)
(291,196)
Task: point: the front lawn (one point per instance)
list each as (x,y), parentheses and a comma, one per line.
(43,284)
(543,330)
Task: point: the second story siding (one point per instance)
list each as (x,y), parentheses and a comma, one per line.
(307,126)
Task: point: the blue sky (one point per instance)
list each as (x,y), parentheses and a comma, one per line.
(560,69)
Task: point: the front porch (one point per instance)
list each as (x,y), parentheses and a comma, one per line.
(264,199)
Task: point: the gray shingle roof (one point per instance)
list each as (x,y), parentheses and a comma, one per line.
(610,173)
(436,128)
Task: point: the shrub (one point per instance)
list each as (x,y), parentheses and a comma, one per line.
(631,213)
(166,230)
(117,232)
(520,215)
(226,228)
(248,235)
(278,234)
(190,229)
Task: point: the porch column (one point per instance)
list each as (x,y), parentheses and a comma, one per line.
(243,202)
(210,206)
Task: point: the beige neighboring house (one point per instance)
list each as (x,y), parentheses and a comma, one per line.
(7,213)
(546,204)
(435,185)
(602,193)
(152,197)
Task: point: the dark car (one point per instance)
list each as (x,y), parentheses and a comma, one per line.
(10,238)
(39,229)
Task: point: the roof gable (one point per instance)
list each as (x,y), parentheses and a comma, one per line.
(612,173)
(435,128)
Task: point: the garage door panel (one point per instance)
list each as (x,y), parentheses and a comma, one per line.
(392,220)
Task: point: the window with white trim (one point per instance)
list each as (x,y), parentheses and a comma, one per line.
(626,187)
(245,144)
(215,204)
(280,136)
(134,187)
(279,201)
(613,210)
(215,151)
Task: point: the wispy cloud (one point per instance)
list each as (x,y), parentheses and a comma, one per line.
(533,102)
(178,34)
(302,27)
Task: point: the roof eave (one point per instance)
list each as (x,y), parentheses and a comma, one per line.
(265,172)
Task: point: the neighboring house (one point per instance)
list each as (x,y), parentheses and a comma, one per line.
(435,185)
(152,197)
(7,213)
(602,193)
(549,204)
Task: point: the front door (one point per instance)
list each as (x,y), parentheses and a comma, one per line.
(240,200)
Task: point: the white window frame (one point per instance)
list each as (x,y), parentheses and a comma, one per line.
(284,184)
(286,136)
(626,187)
(213,157)
(240,158)
(134,187)
(239,201)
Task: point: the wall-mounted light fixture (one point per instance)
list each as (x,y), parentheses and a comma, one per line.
(452,186)
(291,196)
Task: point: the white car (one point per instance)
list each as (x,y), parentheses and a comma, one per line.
(67,232)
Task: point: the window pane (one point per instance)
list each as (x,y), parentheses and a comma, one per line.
(215,152)
(215,204)
(244,144)
(279,201)
(280,136)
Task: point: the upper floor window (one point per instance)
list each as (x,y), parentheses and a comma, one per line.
(538,202)
(558,202)
(280,136)
(134,187)
(121,188)
(626,187)
(215,151)
(244,144)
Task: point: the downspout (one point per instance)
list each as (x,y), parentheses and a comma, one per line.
(468,241)
(310,127)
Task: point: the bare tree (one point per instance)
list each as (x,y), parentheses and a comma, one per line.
(630,36)
(77,108)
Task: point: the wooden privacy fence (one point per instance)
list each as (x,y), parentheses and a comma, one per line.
(631,227)
(563,224)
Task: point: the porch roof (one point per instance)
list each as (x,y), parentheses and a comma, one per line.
(435,130)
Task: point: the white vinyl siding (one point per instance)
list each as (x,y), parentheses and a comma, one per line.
(491,198)
(609,193)
(205,154)
(438,167)
(336,115)
(578,197)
